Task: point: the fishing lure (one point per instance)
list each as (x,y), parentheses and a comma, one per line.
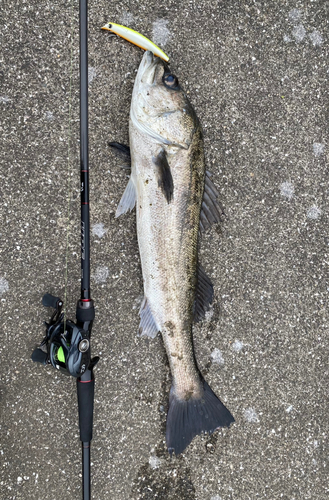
(135,38)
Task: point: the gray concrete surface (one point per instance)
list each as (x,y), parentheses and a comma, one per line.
(257,75)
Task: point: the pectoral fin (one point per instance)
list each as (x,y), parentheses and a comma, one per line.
(165,180)
(128,199)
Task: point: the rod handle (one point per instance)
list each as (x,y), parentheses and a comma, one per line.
(85,389)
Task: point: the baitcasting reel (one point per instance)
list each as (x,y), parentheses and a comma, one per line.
(66,346)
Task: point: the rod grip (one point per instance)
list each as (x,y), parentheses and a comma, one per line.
(85,389)
(49,300)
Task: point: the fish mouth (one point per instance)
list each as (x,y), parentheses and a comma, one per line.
(147,68)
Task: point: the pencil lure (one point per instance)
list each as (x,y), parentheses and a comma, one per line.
(135,38)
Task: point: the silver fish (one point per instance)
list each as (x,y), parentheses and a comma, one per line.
(175,200)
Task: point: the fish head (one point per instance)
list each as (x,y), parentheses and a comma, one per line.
(160,107)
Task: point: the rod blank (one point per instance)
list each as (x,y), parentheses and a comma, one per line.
(84,149)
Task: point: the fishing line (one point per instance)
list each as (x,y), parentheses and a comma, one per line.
(69,169)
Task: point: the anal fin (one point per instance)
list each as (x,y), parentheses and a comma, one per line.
(203,296)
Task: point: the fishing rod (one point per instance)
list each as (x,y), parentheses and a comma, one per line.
(66,345)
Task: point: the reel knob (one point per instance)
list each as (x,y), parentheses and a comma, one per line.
(49,300)
(39,356)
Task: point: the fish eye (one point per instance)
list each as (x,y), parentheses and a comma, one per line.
(170,81)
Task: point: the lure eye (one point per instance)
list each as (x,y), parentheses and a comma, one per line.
(171,81)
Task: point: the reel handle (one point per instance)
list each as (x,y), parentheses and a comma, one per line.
(49,300)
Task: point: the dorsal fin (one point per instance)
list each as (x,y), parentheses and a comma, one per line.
(123,152)
(211,210)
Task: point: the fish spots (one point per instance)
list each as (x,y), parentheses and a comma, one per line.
(170,328)
(178,356)
(4,286)
(217,357)
(318,148)
(237,346)
(188,394)
(314,212)
(161,33)
(99,230)
(101,274)
(91,74)
(250,415)
(287,190)
(289,409)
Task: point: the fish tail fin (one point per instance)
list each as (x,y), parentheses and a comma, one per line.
(187,419)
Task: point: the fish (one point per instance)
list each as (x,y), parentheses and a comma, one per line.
(175,201)
(135,38)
